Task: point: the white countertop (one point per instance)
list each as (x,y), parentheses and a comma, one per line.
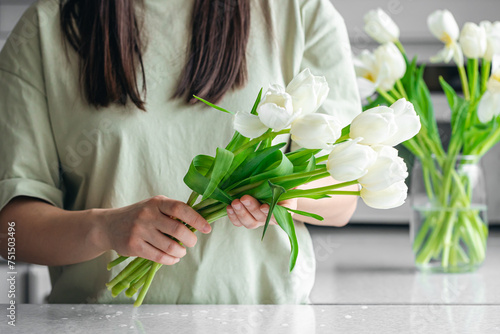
(374,265)
(365,283)
(300,319)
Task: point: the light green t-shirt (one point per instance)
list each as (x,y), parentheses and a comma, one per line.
(55,147)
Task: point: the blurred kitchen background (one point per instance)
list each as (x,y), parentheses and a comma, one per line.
(410,15)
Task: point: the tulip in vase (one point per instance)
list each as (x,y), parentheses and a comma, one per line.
(449,225)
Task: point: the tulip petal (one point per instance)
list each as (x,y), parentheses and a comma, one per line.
(380,26)
(315,131)
(489,107)
(249,125)
(388,198)
(308,92)
(387,170)
(443,25)
(349,160)
(445,55)
(274,116)
(375,125)
(366,87)
(407,120)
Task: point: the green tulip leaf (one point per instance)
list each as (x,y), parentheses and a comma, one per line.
(285,221)
(305,213)
(256,104)
(301,157)
(237,141)
(197,181)
(275,165)
(221,165)
(213,105)
(277,191)
(248,166)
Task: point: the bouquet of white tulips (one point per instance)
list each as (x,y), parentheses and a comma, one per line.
(253,164)
(455,235)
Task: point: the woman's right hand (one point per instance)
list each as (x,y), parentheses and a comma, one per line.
(143,229)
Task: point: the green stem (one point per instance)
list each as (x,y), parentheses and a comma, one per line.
(463,79)
(425,254)
(130,268)
(447,243)
(473,85)
(212,209)
(203,204)
(322,158)
(486,145)
(126,282)
(485,74)
(259,139)
(147,284)
(117,261)
(400,47)
(341,192)
(192,198)
(318,177)
(134,287)
(386,96)
(294,193)
(214,216)
(245,188)
(401,89)
(421,234)
(395,94)
(319,170)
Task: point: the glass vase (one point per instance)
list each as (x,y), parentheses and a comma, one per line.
(448,226)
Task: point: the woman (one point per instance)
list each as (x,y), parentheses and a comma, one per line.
(98,132)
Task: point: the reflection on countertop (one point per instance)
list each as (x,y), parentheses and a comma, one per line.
(374,265)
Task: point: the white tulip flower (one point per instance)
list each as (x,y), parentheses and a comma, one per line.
(308,92)
(279,107)
(349,160)
(386,125)
(473,40)
(489,106)
(276,108)
(492,39)
(388,169)
(315,131)
(369,73)
(443,25)
(388,54)
(380,69)
(275,111)
(387,198)
(380,26)
(249,125)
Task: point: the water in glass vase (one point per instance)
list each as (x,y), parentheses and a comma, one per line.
(450,240)
(449,225)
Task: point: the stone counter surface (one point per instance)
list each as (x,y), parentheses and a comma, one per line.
(300,319)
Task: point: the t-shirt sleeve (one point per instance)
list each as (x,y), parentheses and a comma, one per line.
(327,52)
(29,164)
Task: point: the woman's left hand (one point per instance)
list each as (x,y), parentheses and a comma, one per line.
(250,213)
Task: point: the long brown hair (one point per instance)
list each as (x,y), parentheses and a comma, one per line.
(106,36)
